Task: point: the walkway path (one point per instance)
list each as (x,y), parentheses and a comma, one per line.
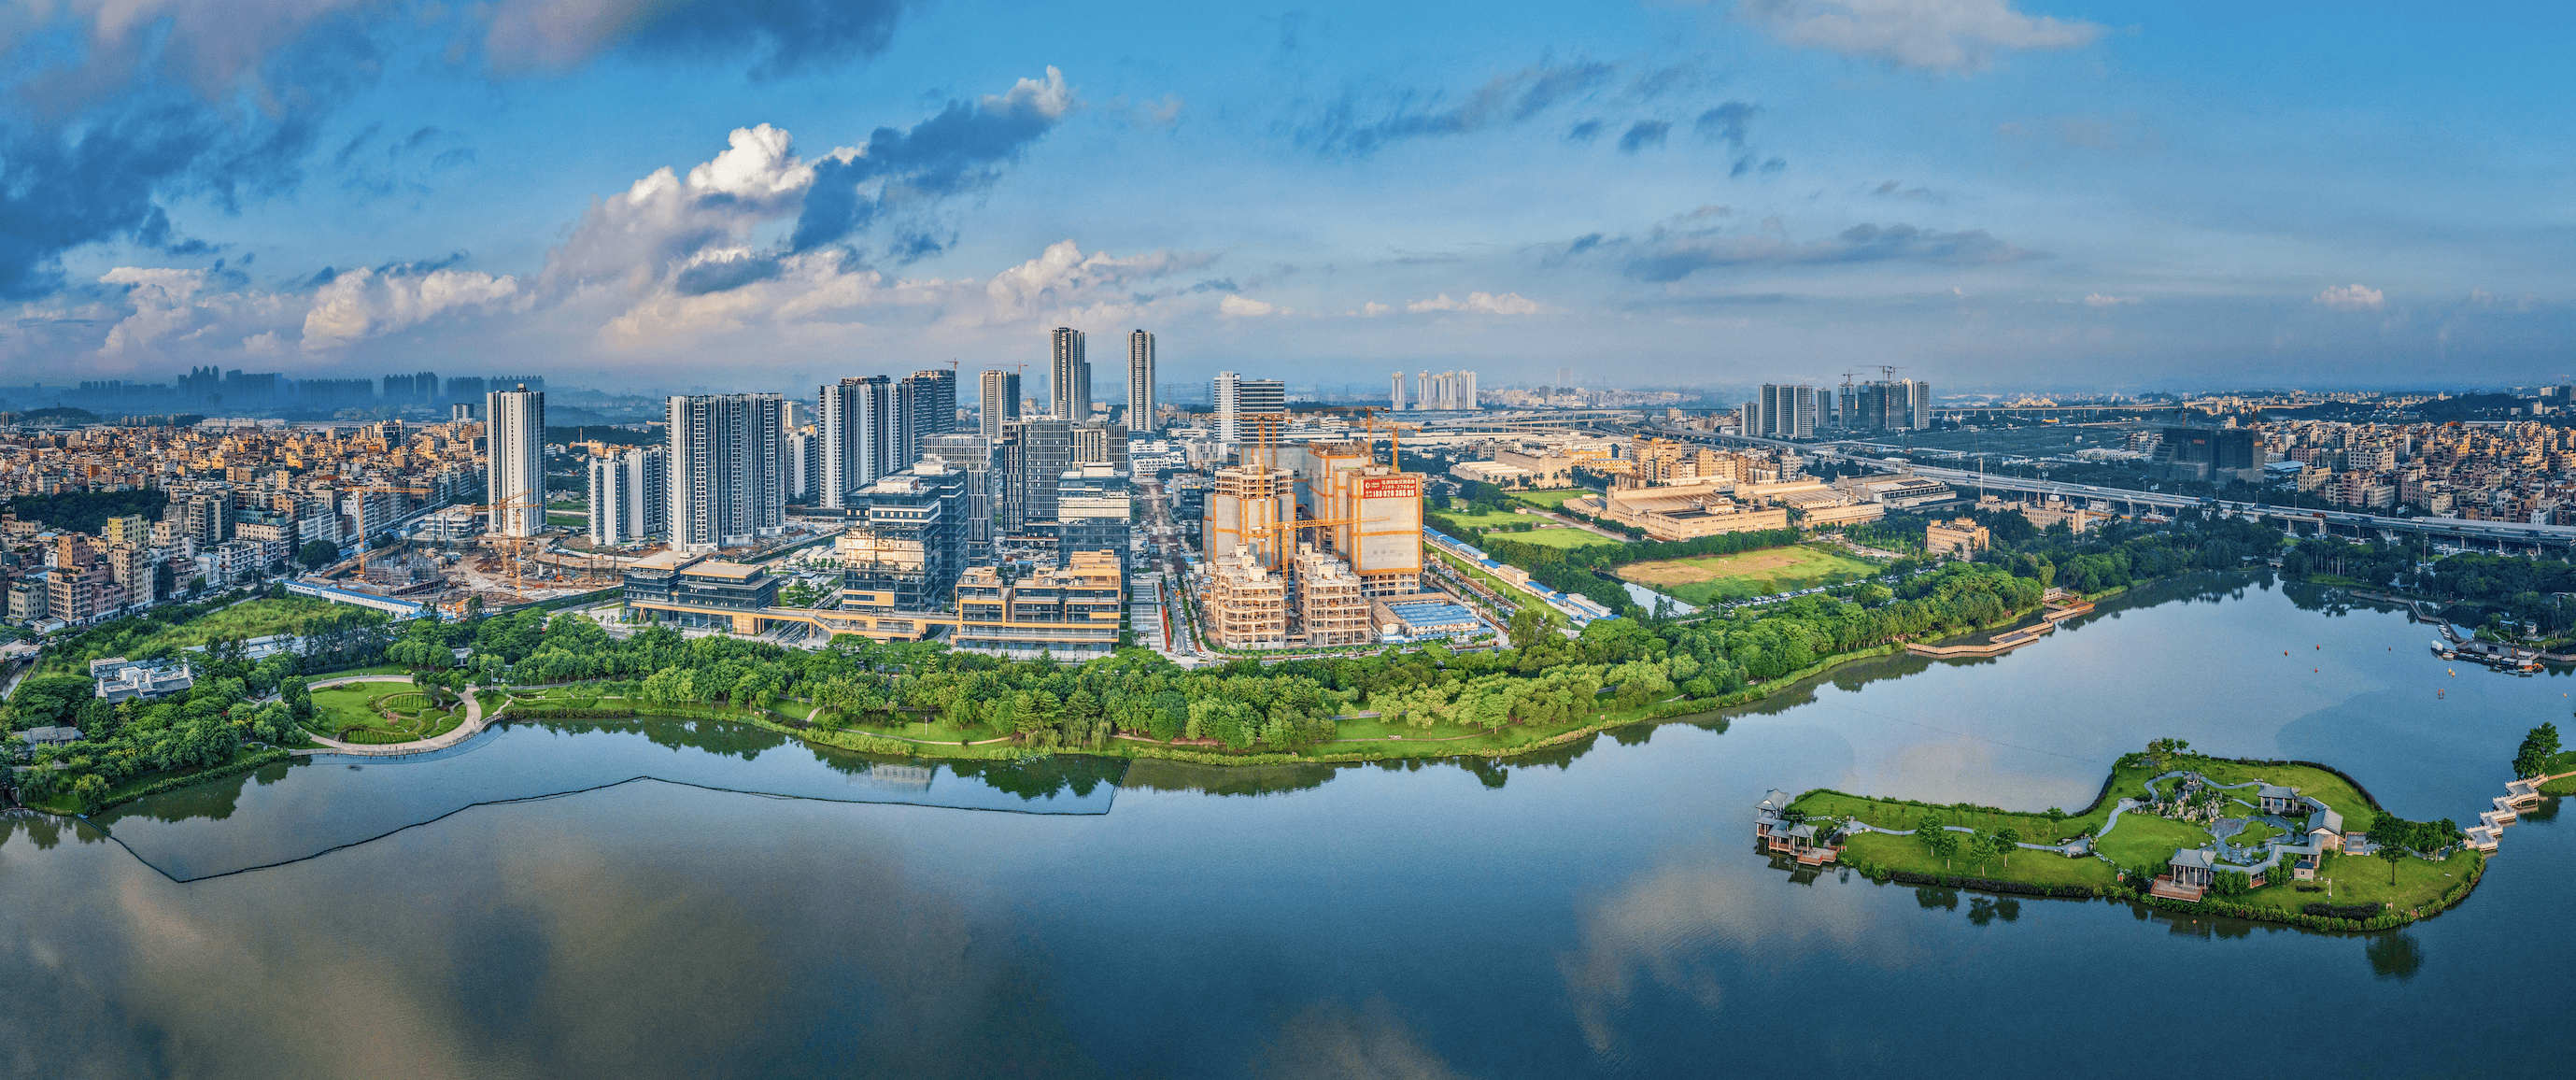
(470,727)
(2518,795)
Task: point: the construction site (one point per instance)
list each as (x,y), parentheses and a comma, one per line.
(1301,542)
(449,560)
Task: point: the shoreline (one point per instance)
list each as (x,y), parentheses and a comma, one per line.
(2122,888)
(862,741)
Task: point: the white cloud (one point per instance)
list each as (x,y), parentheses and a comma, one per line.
(1926,35)
(164,304)
(2101,300)
(632,239)
(2355,297)
(1479,303)
(1235,306)
(819,293)
(1050,96)
(167,310)
(1373,308)
(363,303)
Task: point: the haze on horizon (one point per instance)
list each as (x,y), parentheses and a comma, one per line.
(1993,193)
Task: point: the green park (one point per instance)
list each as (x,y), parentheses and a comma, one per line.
(1745,575)
(2363,867)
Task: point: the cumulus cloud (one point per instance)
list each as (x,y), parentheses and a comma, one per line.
(1677,258)
(821,291)
(364,303)
(1923,35)
(958,151)
(1480,303)
(2100,300)
(2354,297)
(136,102)
(637,236)
(693,233)
(1237,306)
(1345,127)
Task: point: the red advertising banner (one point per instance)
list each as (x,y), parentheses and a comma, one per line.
(1390,487)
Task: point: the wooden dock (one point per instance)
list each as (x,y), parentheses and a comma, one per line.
(2058,606)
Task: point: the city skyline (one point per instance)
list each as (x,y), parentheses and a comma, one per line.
(2109,197)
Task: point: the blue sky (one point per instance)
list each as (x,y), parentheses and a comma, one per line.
(1994,195)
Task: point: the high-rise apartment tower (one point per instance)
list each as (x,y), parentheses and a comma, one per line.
(1068,378)
(514,432)
(726,482)
(1140,381)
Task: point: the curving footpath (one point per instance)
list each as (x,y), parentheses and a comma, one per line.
(468,728)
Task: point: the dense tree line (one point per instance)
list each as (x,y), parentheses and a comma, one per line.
(203,726)
(87,511)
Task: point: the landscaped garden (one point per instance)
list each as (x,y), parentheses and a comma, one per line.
(384,712)
(1745,575)
(2254,834)
(2431,868)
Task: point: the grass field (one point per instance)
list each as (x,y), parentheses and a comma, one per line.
(1562,537)
(2038,867)
(1743,576)
(258,618)
(1469,519)
(1554,498)
(2148,840)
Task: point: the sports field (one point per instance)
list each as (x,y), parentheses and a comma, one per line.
(1743,576)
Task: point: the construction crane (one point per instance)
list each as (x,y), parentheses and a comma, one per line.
(511,547)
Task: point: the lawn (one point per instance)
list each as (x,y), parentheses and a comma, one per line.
(1557,536)
(2034,828)
(1745,575)
(2255,834)
(356,713)
(2036,867)
(1554,499)
(2147,840)
(1463,519)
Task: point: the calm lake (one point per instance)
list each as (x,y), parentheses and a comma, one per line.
(527,908)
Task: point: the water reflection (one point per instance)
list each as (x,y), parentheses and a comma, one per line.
(1332,1040)
(261,820)
(529,941)
(2394,955)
